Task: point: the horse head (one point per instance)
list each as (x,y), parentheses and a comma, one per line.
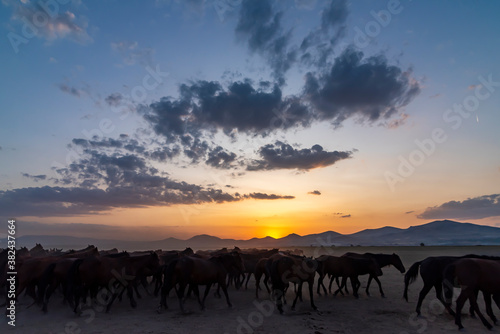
(396,261)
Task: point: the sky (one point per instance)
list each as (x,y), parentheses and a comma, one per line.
(247,118)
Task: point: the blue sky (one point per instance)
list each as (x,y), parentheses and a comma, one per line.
(351,118)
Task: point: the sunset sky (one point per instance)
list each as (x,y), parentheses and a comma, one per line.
(145,120)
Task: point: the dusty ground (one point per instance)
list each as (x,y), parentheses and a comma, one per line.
(335,315)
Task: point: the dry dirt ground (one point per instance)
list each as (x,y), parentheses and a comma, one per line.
(341,314)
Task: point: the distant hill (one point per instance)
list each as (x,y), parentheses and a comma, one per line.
(442,232)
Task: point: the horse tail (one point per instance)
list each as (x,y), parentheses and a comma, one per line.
(73,278)
(44,281)
(410,277)
(448,279)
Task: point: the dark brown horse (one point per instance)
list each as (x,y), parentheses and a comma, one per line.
(382,260)
(195,271)
(251,259)
(346,267)
(474,275)
(54,275)
(93,273)
(291,269)
(431,271)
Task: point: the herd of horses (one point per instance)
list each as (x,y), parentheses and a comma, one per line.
(89,274)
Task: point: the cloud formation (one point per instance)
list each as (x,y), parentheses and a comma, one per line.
(368,89)
(267,196)
(259,25)
(314,192)
(284,156)
(35,178)
(243,106)
(471,208)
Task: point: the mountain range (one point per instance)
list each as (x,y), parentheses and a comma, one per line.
(442,232)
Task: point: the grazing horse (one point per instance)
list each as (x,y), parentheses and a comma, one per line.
(472,275)
(382,260)
(431,271)
(194,271)
(295,269)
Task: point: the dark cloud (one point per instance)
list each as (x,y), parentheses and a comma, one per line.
(366,88)
(267,196)
(471,208)
(219,158)
(260,26)
(408,212)
(315,192)
(283,156)
(104,178)
(318,45)
(35,178)
(346,216)
(243,106)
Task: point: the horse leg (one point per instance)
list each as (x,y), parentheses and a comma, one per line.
(370,277)
(298,293)
(165,289)
(113,297)
(266,279)
(473,302)
(344,280)
(248,279)
(320,284)
(330,285)
(355,286)
(52,287)
(379,285)
(279,302)
(439,295)
(345,286)
(180,296)
(130,293)
(217,292)
(489,310)
(207,290)
(136,288)
(425,290)
(197,294)
(257,283)
(460,304)
(311,283)
(224,289)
